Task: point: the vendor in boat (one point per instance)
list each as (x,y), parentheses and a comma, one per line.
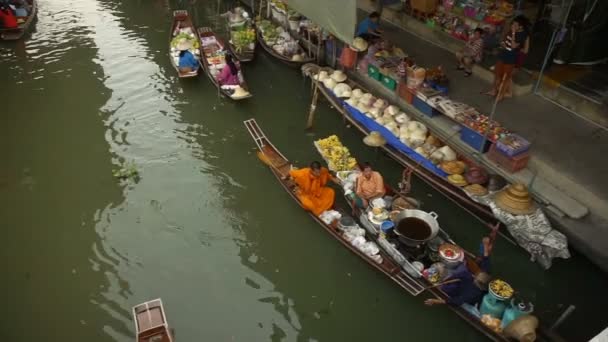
(369,186)
(467,289)
(312,191)
(7,18)
(369,28)
(187,61)
(229,74)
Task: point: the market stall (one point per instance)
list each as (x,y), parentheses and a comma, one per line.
(413,139)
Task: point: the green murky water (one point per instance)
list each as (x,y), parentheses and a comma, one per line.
(206,227)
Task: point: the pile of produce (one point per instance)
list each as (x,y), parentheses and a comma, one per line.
(492,323)
(337,156)
(241,39)
(501,289)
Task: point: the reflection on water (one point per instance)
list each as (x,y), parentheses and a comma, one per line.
(206,227)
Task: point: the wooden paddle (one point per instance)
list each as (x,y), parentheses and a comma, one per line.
(441,284)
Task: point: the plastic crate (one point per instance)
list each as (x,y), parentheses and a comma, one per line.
(510,164)
(424,107)
(474,139)
(503,146)
(388,82)
(405,92)
(373,72)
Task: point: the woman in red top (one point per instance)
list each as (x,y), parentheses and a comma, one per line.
(9,20)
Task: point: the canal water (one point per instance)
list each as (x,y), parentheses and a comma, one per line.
(205,226)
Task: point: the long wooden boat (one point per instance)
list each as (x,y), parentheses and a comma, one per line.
(280,57)
(151,322)
(246,54)
(454,193)
(17,33)
(280,166)
(211,47)
(181,19)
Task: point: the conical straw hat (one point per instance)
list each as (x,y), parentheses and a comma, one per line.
(476,190)
(359,44)
(374,139)
(357,93)
(457,180)
(515,199)
(321,76)
(240,92)
(454,167)
(338,76)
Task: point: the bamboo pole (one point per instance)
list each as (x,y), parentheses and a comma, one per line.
(313,105)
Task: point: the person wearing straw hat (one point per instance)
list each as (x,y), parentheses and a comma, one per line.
(187,62)
(369,186)
(467,289)
(312,191)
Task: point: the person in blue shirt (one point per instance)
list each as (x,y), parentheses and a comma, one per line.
(187,61)
(369,29)
(468,289)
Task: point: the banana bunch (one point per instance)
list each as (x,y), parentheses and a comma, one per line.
(337,156)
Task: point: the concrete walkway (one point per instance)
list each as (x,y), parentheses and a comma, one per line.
(568,153)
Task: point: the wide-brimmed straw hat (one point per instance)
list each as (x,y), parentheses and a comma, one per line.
(359,44)
(321,75)
(454,167)
(357,93)
(380,103)
(516,200)
(374,139)
(338,76)
(476,175)
(239,92)
(184,44)
(457,180)
(329,83)
(342,90)
(476,190)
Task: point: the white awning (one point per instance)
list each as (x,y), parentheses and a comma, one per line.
(339,17)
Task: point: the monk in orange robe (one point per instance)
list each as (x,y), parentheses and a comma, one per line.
(312,192)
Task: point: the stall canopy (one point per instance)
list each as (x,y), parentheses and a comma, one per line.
(336,16)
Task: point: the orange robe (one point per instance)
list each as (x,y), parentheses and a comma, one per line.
(313,194)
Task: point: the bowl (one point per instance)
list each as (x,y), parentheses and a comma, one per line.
(500,289)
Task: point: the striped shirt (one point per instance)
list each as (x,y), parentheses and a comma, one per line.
(474,49)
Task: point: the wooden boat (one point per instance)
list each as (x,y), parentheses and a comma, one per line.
(454,193)
(151,323)
(211,46)
(246,54)
(280,166)
(280,57)
(17,33)
(181,19)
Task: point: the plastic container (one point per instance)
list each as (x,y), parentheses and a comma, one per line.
(405,93)
(388,82)
(516,310)
(474,139)
(373,72)
(510,164)
(424,107)
(512,145)
(491,305)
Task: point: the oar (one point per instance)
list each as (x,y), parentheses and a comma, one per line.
(441,284)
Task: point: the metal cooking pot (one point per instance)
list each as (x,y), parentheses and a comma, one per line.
(429,218)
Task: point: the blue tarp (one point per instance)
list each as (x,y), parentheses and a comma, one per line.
(392,140)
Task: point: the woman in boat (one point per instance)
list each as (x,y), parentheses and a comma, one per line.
(187,61)
(370,185)
(229,76)
(312,191)
(469,289)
